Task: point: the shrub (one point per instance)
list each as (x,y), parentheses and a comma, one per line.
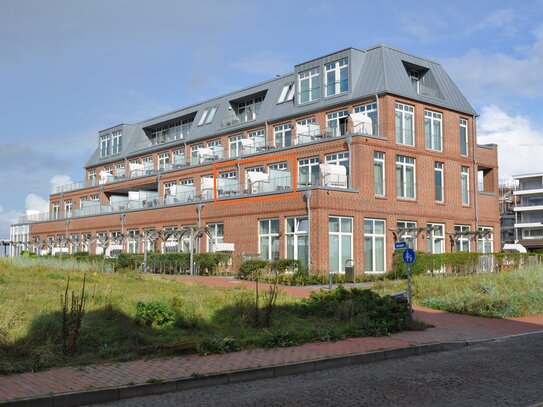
(208,262)
(279,339)
(216,344)
(154,312)
(248,267)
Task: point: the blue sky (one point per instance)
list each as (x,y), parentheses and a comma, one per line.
(70,68)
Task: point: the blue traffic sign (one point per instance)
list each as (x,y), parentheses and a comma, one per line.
(400,245)
(408,256)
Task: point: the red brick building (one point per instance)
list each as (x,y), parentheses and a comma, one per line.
(331,163)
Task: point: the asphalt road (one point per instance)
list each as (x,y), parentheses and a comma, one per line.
(507,372)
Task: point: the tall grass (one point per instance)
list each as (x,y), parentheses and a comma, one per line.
(515,293)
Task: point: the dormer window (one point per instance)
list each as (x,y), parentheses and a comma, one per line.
(309,85)
(166,133)
(337,77)
(287,94)
(415,78)
(422,80)
(117,138)
(247,111)
(105,145)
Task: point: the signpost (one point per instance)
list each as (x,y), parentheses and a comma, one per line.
(408,256)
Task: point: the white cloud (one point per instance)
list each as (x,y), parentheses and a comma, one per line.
(6,219)
(59,180)
(35,202)
(501,18)
(520,145)
(489,76)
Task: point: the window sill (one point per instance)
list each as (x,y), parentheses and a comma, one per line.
(384,197)
(442,203)
(400,198)
(405,145)
(434,151)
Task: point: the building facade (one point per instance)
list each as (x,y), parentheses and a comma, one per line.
(529,211)
(332,163)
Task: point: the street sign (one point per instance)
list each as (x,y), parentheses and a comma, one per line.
(400,245)
(408,256)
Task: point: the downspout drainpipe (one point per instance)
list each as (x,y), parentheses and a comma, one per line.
(475,181)
(307,195)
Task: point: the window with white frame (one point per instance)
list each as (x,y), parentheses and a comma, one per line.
(171,244)
(228,174)
(119,170)
(108,169)
(438,182)
(68,204)
(86,240)
(340,242)
(82,200)
(203,117)
(185,241)
(462,240)
(247,110)
(217,235)
(283,135)
(188,181)
(308,171)
(287,93)
(163,161)
(252,170)
(168,188)
(336,122)
(268,239)
(485,241)
(236,147)
(178,158)
(464,181)
(374,245)
(297,239)
(405,177)
(379,173)
(464,143)
(211,114)
(337,77)
(339,159)
(56,210)
(105,145)
(308,121)
(259,139)
(369,110)
(95,198)
(436,238)
(148,165)
(194,160)
(433,130)
(278,166)
(92,177)
(101,238)
(132,241)
(408,233)
(116,142)
(309,85)
(405,124)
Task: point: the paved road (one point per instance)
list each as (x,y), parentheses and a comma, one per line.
(505,372)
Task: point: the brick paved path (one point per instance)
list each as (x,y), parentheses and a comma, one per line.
(447,327)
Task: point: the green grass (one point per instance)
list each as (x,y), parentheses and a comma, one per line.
(515,293)
(188,318)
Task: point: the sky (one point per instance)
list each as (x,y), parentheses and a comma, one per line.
(70,68)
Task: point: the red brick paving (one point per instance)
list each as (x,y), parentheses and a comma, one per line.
(447,328)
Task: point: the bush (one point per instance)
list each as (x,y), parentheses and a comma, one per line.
(154,312)
(279,339)
(248,267)
(208,262)
(216,344)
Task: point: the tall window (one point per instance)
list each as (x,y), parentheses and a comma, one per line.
(309,85)
(374,245)
(168,188)
(438,178)
(297,239)
(68,208)
(371,111)
(409,233)
(283,135)
(163,161)
(486,240)
(247,111)
(405,124)
(119,170)
(178,158)
(464,144)
(405,177)
(56,210)
(105,145)
(337,122)
(117,139)
(268,238)
(432,130)
(436,238)
(462,240)
(194,154)
(339,159)
(340,237)
(217,235)
(236,147)
(92,178)
(464,181)
(308,171)
(379,173)
(337,77)
(132,241)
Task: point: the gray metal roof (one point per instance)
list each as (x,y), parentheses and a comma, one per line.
(376,70)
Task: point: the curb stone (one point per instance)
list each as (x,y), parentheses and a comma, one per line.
(167,386)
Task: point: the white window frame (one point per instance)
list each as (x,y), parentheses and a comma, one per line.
(282,166)
(105,145)
(163,161)
(436,237)
(379,161)
(217,235)
(464,185)
(132,243)
(404,163)
(116,142)
(235,147)
(311,77)
(194,159)
(464,137)
(211,114)
(335,124)
(92,177)
(370,110)
(439,171)
(313,174)
(462,241)
(168,188)
(119,170)
(56,210)
(411,240)
(433,122)
(485,244)
(270,236)
(282,134)
(404,112)
(287,93)
(204,116)
(178,157)
(373,237)
(333,71)
(295,235)
(340,234)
